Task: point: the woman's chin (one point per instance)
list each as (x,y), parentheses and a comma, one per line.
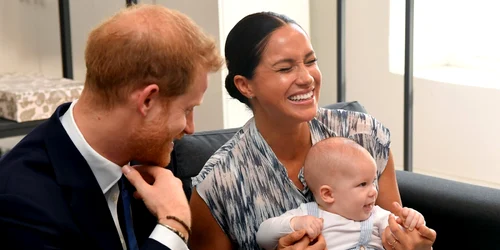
(306,115)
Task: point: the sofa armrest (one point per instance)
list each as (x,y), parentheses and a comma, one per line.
(464,216)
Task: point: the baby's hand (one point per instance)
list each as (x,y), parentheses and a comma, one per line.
(311,224)
(410,219)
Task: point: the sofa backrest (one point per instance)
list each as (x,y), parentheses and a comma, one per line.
(192,151)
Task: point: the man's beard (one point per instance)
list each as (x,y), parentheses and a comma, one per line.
(155,154)
(152,148)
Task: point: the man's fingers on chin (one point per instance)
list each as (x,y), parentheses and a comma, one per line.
(133,177)
(148,178)
(146,173)
(152,170)
(137,195)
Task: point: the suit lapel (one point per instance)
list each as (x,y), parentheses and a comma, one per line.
(94,218)
(83,194)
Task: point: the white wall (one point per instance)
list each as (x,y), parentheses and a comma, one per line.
(29,38)
(455,133)
(324,38)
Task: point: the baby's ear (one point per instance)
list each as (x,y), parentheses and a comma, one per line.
(326,194)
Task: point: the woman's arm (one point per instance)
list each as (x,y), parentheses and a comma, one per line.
(207,233)
(388,187)
(271,230)
(389,193)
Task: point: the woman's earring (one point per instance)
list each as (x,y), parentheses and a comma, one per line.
(250,97)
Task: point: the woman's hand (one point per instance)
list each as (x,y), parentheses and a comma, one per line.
(396,237)
(410,218)
(313,225)
(298,240)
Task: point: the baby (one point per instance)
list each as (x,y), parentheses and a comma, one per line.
(342,176)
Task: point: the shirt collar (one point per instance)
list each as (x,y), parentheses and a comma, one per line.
(105,171)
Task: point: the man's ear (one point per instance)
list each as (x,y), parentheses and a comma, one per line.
(146,98)
(326,194)
(243,85)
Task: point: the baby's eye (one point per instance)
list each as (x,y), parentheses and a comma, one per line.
(362,184)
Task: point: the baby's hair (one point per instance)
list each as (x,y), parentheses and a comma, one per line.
(327,157)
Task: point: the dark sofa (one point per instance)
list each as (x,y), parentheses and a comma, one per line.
(464,216)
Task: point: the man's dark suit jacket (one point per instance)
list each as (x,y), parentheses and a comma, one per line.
(50,199)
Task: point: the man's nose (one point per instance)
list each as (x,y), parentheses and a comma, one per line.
(189,129)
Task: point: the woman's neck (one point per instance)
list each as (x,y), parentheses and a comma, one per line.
(288,141)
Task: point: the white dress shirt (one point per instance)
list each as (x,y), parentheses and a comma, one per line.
(107,174)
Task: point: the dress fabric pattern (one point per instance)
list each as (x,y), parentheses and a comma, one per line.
(244,183)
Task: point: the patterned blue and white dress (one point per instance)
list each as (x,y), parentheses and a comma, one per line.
(244,183)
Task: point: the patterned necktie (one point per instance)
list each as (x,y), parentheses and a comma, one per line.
(126,215)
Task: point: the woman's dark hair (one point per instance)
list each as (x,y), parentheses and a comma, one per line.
(244,46)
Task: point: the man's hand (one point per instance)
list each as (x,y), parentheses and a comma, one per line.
(299,241)
(161,192)
(312,225)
